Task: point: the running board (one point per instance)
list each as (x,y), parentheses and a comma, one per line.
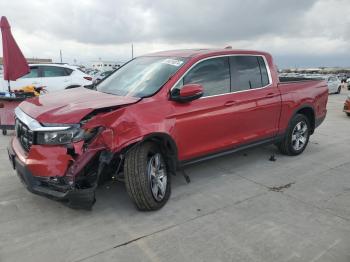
(231,151)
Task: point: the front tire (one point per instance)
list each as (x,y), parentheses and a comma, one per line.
(147,178)
(297,136)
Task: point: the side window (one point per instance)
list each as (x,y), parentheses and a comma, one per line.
(213,74)
(68,71)
(53,71)
(248,72)
(34,72)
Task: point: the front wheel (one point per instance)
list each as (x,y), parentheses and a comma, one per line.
(4,132)
(296,137)
(147,179)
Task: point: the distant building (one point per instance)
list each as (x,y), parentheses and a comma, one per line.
(105,65)
(34,60)
(319,70)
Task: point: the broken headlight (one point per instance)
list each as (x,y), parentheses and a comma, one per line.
(62,137)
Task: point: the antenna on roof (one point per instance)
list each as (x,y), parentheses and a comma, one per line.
(228,47)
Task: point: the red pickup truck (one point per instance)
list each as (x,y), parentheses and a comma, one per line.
(156,114)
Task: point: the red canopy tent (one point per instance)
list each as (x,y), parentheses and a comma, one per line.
(14,63)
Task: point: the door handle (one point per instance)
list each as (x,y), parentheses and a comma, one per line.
(230,103)
(270,95)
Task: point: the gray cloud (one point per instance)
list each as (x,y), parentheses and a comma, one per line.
(218,21)
(124,21)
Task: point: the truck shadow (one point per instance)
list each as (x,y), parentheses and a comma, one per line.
(114,194)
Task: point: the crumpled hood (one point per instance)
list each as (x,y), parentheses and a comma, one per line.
(70,106)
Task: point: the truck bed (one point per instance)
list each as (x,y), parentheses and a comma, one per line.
(285,79)
(302,91)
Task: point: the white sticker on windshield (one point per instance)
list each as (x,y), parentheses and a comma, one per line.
(172,62)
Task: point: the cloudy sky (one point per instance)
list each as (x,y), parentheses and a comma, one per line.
(298,33)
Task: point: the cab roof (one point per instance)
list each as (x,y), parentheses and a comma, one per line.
(189,53)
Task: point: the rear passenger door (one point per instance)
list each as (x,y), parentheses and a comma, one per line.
(55,78)
(257,103)
(202,125)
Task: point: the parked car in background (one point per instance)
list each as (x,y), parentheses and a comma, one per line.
(348,83)
(157,114)
(334,85)
(91,72)
(54,77)
(99,76)
(347,106)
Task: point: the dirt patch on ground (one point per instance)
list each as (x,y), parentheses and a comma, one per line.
(281,188)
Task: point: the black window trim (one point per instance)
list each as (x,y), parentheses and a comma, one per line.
(229,55)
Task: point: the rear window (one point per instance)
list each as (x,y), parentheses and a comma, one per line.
(68,71)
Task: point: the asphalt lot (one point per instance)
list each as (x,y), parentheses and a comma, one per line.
(228,212)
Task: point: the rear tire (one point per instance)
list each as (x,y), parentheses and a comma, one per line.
(147,178)
(348,114)
(4,132)
(339,90)
(296,137)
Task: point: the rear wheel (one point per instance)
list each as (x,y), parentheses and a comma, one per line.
(348,114)
(147,179)
(297,136)
(4,132)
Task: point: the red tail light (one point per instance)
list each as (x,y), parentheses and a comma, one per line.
(88,78)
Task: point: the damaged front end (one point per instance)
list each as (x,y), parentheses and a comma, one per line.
(62,162)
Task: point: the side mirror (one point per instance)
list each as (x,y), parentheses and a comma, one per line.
(187,93)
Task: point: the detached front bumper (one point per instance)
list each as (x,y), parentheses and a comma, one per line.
(50,187)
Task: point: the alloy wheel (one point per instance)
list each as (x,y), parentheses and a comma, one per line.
(157,176)
(299,136)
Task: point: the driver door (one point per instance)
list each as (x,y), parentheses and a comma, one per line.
(201,125)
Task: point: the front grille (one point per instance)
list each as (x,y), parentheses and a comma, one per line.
(24,135)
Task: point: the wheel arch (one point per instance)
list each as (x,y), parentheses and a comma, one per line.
(309,112)
(167,146)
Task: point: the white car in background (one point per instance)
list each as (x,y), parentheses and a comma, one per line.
(53,77)
(99,76)
(334,85)
(348,83)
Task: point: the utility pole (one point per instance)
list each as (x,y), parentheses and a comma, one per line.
(61,55)
(132,51)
